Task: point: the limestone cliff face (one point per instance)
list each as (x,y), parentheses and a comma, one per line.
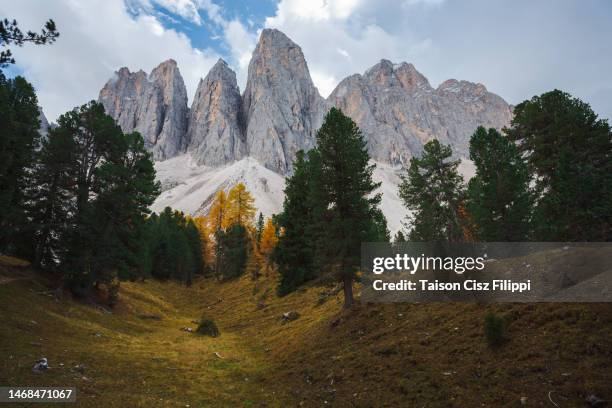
(214,136)
(281,107)
(398,111)
(154,105)
(280,110)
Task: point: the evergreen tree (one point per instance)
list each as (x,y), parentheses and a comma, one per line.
(347,185)
(52,198)
(125,188)
(233,251)
(260,227)
(293,253)
(10,33)
(175,247)
(433,190)
(195,248)
(498,198)
(19,139)
(399,237)
(94,187)
(567,149)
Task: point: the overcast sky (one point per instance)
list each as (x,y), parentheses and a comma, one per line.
(516,48)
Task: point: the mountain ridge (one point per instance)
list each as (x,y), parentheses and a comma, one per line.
(279,113)
(280,109)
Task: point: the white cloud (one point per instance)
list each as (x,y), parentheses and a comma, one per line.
(481,41)
(410,3)
(184,8)
(241,43)
(238,39)
(325,83)
(342,37)
(96,38)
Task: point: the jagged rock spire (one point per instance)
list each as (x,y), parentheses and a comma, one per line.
(154,105)
(214,136)
(281,106)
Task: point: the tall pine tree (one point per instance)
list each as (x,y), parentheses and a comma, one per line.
(19,140)
(498,197)
(346,183)
(294,252)
(568,150)
(433,190)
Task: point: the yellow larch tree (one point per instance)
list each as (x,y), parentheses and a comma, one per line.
(218,215)
(269,238)
(241,206)
(217,221)
(201,223)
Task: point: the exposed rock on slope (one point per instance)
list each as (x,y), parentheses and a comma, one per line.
(398,111)
(282,107)
(154,105)
(214,137)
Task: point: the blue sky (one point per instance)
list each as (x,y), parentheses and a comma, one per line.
(517,48)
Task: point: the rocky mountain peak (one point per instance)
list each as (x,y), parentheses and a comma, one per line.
(221,72)
(388,74)
(280,110)
(281,106)
(398,110)
(154,105)
(455,86)
(410,78)
(214,136)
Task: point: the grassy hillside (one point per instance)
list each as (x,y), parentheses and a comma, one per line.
(419,355)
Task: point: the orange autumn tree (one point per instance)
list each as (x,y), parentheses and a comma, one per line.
(467,223)
(217,217)
(241,206)
(231,222)
(269,238)
(201,223)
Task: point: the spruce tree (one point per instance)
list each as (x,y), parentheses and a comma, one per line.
(567,149)
(498,197)
(433,190)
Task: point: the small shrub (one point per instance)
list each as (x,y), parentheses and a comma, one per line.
(207,327)
(494,329)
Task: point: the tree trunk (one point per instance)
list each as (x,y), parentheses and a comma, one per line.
(348,292)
